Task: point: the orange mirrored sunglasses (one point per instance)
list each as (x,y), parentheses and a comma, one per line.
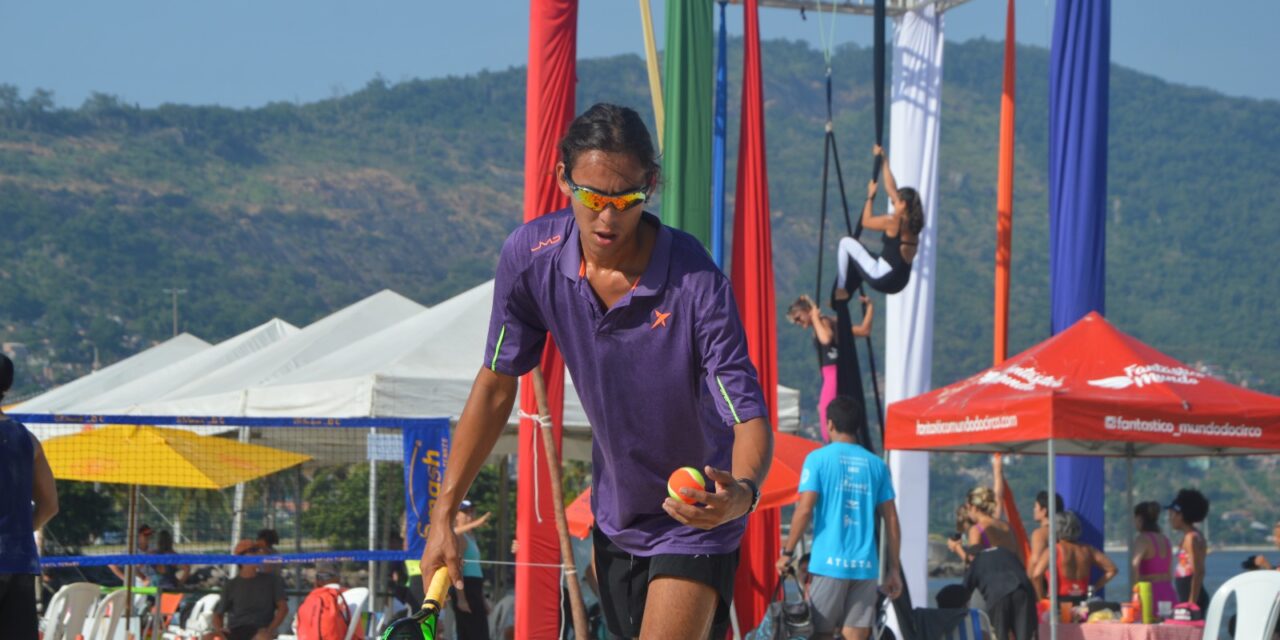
(597,201)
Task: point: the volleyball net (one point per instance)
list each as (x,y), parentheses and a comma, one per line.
(192,489)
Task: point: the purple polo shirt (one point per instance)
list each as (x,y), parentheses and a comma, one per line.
(663,375)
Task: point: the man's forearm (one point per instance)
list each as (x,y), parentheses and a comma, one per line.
(479,427)
(799,524)
(44,512)
(752,450)
(893,535)
(281,610)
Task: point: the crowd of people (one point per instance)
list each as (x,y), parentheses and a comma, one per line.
(1176,572)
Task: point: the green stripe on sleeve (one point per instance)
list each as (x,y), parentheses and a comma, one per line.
(725,394)
(493,364)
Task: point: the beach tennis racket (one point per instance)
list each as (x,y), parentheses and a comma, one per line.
(422,625)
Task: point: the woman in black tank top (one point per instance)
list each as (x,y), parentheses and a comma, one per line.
(890,271)
(805,313)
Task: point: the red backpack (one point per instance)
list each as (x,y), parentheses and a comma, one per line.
(324,615)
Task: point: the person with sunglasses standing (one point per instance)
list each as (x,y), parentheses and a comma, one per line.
(650,332)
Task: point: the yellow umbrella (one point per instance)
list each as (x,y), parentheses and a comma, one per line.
(157,456)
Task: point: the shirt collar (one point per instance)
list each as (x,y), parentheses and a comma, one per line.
(655,274)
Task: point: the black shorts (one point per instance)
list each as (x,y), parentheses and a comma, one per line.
(18,606)
(624,582)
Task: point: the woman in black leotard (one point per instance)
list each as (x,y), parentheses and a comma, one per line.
(890,271)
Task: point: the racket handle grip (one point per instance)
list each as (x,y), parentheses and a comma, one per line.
(438,588)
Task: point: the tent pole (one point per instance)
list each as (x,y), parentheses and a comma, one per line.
(1128,473)
(237,509)
(373,518)
(499,552)
(1053,547)
(131,545)
(297,523)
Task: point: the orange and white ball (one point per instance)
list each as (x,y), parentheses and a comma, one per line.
(685,477)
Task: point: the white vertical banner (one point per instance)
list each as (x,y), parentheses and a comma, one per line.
(914,118)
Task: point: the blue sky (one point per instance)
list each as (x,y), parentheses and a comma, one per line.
(250,52)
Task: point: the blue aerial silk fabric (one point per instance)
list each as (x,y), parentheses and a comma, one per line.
(1078,105)
(718,138)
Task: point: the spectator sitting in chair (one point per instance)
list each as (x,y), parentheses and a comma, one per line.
(267,541)
(142,545)
(1260,561)
(169,577)
(252,604)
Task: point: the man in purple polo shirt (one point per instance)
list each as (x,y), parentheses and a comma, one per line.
(650,333)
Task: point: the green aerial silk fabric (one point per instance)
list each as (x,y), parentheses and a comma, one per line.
(689,77)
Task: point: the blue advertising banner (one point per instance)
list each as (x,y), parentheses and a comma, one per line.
(426,449)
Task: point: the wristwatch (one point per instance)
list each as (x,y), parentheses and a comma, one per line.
(755,493)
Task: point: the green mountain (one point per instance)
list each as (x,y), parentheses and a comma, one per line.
(294,210)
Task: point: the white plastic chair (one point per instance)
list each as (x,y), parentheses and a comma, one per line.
(984,623)
(357,598)
(198,622)
(107,616)
(1257,606)
(68,610)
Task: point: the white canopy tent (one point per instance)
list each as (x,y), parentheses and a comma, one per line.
(158,379)
(422,365)
(164,380)
(315,341)
(60,399)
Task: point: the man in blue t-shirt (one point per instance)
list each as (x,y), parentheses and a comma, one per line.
(843,487)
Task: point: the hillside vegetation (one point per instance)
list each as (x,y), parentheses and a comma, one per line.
(294,210)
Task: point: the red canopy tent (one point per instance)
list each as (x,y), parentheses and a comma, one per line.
(1090,390)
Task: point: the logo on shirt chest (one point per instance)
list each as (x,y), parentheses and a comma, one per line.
(659,318)
(546,243)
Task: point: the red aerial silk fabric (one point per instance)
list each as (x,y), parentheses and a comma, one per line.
(1004,236)
(1014,517)
(1004,191)
(752,277)
(550,95)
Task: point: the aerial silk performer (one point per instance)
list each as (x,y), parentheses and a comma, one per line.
(889,271)
(804,313)
(838,355)
(1079,74)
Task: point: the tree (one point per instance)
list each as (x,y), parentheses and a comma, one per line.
(83,514)
(337,503)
